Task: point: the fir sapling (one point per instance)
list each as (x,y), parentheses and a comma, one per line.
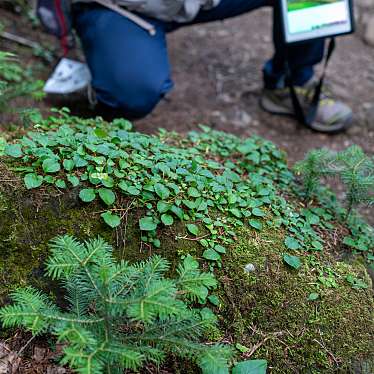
(315,165)
(120,316)
(356,170)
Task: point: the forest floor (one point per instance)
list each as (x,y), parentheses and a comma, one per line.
(218,81)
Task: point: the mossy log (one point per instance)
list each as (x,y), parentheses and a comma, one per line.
(266,310)
(304,320)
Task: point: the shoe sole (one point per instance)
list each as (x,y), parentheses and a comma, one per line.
(269,106)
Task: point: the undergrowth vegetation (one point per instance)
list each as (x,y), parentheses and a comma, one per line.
(15,81)
(120,316)
(250,218)
(241,182)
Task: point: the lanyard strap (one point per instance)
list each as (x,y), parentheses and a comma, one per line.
(307,117)
(131,16)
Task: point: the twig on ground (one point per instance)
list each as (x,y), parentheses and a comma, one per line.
(125,215)
(192,239)
(20,40)
(327,351)
(19,353)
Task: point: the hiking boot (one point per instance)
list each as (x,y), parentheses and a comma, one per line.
(332,115)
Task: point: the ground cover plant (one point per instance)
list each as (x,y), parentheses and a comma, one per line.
(16,81)
(231,203)
(175,182)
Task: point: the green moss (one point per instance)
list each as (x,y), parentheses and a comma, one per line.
(25,232)
(214,334)
(266,310)
(269,309)
(26,229)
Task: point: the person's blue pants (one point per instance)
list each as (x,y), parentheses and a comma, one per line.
(131,71)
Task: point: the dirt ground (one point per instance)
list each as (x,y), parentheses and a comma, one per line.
(217,71)
(218,81)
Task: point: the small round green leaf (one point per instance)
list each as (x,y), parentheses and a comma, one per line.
(291,243)
(193,229)
(33,180)
(213,299)
(107,196)
(219,248)
(147,224)
(250,367)
(256,224)
(68,164)
(51,165)
(163,207)
(177,211)
(13,150)
(317,246)
(264,191)
(258,212)
(236,212)
(49,179)
(241,348)
(74,180)
(211,254)
(292,261)
(157,243)
(87,195)
(193,192)
(60,183)
(313,296)
(2,146)
(132,190)
(162,191)
(347,240)
(167,219)
(107,181)
(110,219)
(100,133)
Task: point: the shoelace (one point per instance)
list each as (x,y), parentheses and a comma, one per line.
(308,92)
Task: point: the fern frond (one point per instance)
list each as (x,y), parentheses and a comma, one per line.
(15,81)
(83,362)
(121,270)
(123,279)
(190,328)
(356,170)
(151,354)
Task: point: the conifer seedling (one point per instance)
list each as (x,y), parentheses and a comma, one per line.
(120,316)
(356,170)
(314,166)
